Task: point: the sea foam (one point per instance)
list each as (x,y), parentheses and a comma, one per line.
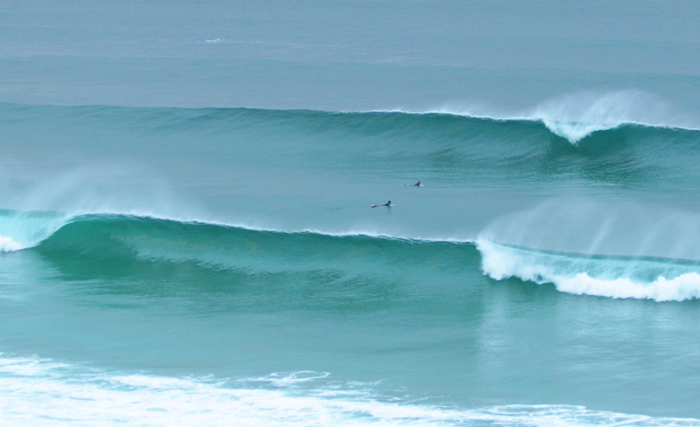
(9,245)
(612,277)
(41,392)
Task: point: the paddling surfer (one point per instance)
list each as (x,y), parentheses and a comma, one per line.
(387,204)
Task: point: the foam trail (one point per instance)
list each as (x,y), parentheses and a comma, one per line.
(9,245)
(658,280)
(41,392)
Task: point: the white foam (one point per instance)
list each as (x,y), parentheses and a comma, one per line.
(574,132)
(612,278)
(9,245)
(40,392)
(285,380)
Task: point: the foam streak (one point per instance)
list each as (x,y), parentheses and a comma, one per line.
(40,392)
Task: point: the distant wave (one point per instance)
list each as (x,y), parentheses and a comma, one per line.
(572,131)
(577,116)
(459,147)
(42,392)
(573,117)
(613,277)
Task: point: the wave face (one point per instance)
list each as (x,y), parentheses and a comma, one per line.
(133,240)
(106,241)
(127,247)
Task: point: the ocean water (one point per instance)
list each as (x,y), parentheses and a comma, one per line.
(186,235)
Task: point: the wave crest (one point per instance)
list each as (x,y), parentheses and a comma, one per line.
(613,277)
(108,237)
(578,115)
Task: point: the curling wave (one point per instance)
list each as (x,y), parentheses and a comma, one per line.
(100,237)
(577,116)
(134,239)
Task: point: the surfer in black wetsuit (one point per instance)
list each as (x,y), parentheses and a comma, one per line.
(387,204)
(417,185)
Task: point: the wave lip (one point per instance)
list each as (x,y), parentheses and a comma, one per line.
(612,277)
(578,115)
(25,229)
(574,132)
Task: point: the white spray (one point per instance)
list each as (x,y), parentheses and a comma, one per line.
(597,248)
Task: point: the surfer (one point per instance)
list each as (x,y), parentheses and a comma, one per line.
(387,204)
(417,185)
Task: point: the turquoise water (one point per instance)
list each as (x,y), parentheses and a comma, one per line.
(186,235)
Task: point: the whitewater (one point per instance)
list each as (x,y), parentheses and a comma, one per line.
(123,397)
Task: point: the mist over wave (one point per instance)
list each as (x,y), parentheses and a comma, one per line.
(578,115)
(655,279)
(46,205)
(596,227)
(104,187)
(139,240)
(595,248)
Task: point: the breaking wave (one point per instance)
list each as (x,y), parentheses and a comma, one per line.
(613,277)
(100,237)
(576,116)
